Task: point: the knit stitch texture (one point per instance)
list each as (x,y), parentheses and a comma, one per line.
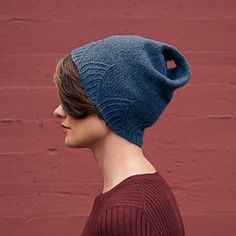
(127,78)
(140,205)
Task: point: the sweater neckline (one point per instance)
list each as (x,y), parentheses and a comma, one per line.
(130,178)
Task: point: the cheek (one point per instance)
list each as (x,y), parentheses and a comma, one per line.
(91,129)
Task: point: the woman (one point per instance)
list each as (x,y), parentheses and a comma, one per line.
(110,90)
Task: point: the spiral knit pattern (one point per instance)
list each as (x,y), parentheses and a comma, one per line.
(127,78)
(140,205)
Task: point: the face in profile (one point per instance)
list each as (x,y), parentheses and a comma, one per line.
(81,133)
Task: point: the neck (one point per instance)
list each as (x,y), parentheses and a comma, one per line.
(118,159)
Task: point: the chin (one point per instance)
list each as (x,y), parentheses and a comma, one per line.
(76,144)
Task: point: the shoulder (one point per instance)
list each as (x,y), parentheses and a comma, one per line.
(145,208)
(158,196)
(160,207)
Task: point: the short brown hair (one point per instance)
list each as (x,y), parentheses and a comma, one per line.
(72,96)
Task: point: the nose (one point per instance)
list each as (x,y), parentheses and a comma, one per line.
(59,112)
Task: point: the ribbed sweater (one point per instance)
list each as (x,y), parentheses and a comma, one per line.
(140,205)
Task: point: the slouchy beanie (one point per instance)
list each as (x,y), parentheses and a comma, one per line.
(127,78)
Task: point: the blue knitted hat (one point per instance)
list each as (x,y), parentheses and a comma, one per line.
(128,80)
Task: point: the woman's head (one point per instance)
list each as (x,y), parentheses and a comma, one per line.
(86,124)
(126,77)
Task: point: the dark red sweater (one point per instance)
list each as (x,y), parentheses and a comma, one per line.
(140,205)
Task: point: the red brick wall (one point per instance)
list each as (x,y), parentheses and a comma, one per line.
(47,188)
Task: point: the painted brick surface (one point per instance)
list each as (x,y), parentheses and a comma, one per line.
(47,188)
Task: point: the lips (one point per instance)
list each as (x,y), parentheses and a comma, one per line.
(65,126)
